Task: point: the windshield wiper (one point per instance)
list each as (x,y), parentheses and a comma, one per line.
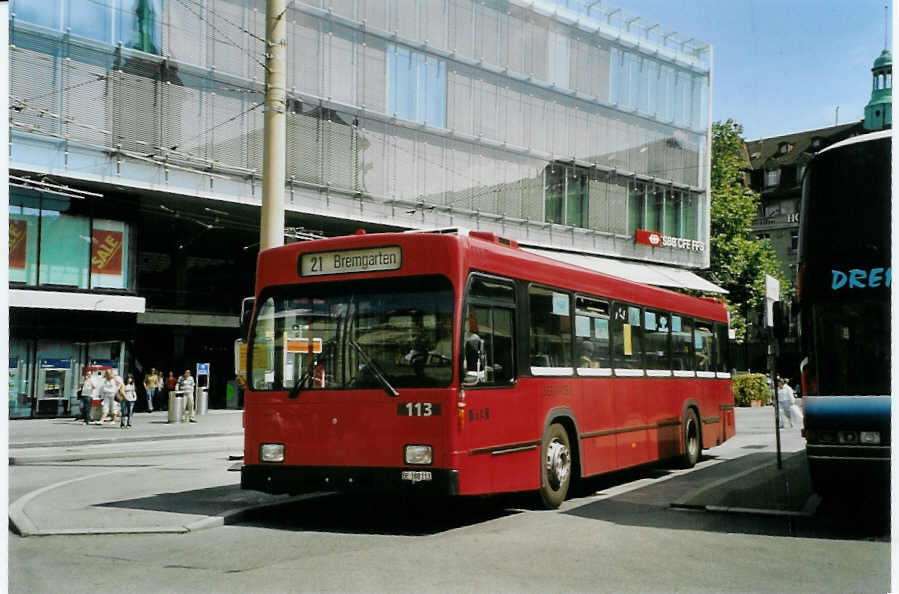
(326,353)
(375,368)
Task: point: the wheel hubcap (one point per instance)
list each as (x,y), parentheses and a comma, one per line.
(692,439)
(558,463)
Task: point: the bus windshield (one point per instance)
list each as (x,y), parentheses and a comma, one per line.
(381,334)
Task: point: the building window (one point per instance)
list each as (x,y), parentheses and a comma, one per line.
(51,243)
(566,196)
(772,177)
(416,86)
(763,236)
(794,240)
(133,23)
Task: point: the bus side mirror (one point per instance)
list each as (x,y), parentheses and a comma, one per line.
(781,320)
(246,313)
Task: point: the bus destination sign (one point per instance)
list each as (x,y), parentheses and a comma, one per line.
(351,261)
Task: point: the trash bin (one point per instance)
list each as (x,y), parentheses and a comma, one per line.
(232,395)
(202,400)
(176,406)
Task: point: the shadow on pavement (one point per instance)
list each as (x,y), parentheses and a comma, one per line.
(747,495)
(214,501)
(379,514)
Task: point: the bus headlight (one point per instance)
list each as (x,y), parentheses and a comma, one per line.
(869,437)
(419,454)
(848,437)
(271,452)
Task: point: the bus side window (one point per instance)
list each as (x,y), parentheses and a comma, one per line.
(550,336)
(656,328)
(681,343)
(705,349)
(591,333)
(627,337)
(723,348)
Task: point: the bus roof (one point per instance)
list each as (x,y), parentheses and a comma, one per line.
(486,252)
(858,139)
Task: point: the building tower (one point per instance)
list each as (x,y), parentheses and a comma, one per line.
(879,111)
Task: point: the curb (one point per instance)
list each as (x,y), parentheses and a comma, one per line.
(78,456)
(91,442)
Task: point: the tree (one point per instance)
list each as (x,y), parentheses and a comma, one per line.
(739,262)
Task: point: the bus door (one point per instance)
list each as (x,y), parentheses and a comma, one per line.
(493,423)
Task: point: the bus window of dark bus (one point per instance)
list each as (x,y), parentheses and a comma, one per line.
(367,334)
(844,270)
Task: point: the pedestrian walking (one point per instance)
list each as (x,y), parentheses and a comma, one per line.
(130,390)
(171,383)
(108,389)
(785,398)
(89,388)
(186,385)
(151,380)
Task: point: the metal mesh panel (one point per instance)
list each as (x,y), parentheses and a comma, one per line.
(254,133)
(228,42)
(340,151)
(86,102)
(432,174)
(372,74)
(304,68)
(487,41)
(461,33)
(184,32)
(136,126)
(304,146)
(433,23)
(34,85)
(340,64)
(183,121)
(402,170)
(402,18)
(229,136)
(373,149)
(344,8)
(616,199)
(486,102)
(532,197)
(374,14)
(516,34)
(460,100)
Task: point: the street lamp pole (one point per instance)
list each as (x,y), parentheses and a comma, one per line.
(271,228)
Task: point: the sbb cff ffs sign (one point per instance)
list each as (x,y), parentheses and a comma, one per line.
(656,239)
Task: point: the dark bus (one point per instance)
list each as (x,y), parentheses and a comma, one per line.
(843,289)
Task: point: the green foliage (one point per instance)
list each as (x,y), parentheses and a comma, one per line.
(749,387)
(739,262)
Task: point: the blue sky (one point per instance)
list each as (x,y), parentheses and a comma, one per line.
(781,66)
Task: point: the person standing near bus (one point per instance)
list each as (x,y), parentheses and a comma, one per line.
(785,398)
(151,380)
(186,385)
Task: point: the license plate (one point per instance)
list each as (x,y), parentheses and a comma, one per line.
(416,476)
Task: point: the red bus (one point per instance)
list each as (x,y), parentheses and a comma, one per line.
(461,364)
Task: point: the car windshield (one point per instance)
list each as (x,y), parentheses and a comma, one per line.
(381,334)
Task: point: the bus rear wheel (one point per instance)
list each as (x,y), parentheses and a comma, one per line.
(556,466)
(692,440)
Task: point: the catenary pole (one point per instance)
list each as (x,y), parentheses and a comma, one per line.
(271,228)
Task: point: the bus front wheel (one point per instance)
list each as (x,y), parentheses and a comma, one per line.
(692,440)
(556,466)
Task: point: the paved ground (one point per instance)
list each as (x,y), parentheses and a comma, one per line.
(164,477)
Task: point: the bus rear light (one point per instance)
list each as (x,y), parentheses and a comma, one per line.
(419,454)
(271,452)
(869,437)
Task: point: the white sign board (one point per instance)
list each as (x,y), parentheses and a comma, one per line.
(772,294)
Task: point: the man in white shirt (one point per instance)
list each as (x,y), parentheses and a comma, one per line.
(186,385)
(785,396)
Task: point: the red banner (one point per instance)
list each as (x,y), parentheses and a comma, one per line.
(106,252)
(18,242)
(656,239)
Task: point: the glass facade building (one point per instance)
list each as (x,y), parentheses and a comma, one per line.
(567,124)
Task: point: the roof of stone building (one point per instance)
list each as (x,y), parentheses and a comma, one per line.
(797,147)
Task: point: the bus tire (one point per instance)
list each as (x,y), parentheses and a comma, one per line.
(692,440)
(555,466)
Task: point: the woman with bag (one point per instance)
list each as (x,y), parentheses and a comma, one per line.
(128,393)
(108,390)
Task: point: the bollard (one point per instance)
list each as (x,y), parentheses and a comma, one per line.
(176,406)
(202,402)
